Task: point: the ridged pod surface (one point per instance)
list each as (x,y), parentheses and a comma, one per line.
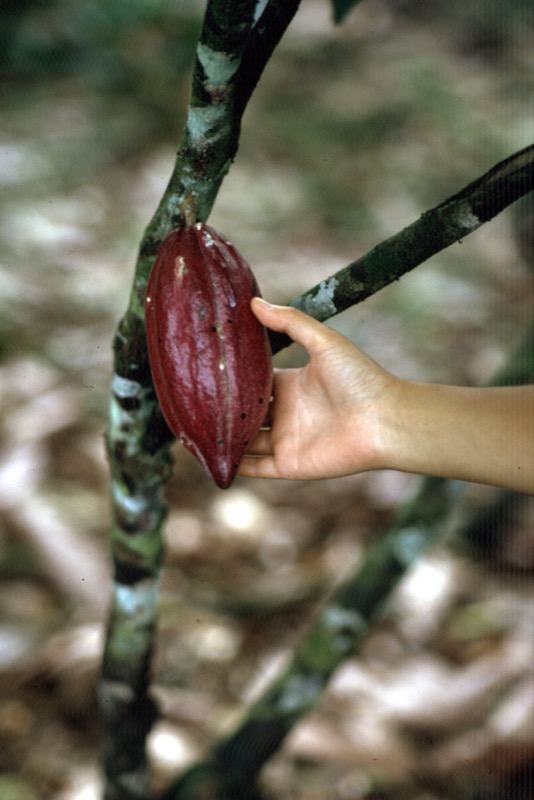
(210,358)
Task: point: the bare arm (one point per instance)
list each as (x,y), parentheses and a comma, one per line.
(342,414)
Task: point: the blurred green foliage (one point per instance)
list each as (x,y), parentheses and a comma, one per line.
(142,49)
(123,47)
(112,43)
(109,43)
(477,25)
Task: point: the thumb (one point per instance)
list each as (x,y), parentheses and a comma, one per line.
(300,327)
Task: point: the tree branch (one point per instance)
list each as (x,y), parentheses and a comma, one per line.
(231,772)
(138,441)
(435,230)
(264,38)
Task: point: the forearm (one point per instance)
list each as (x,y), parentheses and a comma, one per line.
(480,435)
(342,414)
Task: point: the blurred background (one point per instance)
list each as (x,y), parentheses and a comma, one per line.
(352,133)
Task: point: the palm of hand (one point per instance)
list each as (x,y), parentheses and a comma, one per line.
(321,418)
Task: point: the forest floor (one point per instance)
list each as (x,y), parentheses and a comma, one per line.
(352,134)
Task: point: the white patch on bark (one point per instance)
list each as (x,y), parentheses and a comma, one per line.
(138,600)
(124,387)
(218,66)
(321,304)
(409,544)
(300,691)
(467,219)
(344,620)
(260,8)
(202,121)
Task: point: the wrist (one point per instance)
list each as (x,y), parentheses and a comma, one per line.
(395,425)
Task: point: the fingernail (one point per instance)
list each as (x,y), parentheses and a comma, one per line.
(264,302)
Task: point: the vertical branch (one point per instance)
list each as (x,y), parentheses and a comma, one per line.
(138,441)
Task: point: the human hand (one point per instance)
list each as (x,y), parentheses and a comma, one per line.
(324,419)
(342,414)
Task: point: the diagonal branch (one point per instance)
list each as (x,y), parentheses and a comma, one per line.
(435,230)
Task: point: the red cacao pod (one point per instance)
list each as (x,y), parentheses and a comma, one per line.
(210,358)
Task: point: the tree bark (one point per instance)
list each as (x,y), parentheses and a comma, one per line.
(447,223)
(233,48)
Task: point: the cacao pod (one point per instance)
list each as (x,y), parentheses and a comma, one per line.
(209,356)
